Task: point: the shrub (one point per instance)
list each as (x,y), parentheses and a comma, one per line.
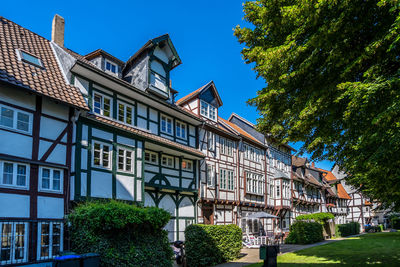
(302,232)
(352,228)
(321,217)
(208,245)
(395,222)
(374,229)
(123,234)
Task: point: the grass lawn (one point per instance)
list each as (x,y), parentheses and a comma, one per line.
(378,248)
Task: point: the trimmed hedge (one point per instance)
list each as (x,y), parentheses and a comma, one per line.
(321,217)
(352,228)
(123,234)
(208,245)
(303,232)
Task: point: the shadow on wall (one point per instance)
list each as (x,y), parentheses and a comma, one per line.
(378,249)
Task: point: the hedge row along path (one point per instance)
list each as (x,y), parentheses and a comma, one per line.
(251,255)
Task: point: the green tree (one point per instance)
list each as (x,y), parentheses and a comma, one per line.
(332,72)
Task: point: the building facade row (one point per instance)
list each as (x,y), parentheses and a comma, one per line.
(76,128)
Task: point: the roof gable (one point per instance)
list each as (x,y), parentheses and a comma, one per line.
(207,93)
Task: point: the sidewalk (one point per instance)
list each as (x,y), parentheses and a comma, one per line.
(251,255)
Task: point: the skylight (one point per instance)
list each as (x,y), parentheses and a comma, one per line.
(31,59)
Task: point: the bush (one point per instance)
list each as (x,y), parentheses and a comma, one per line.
(123,234)
(374,229)
(395,222)
(208,245)
(352,228)
(302,232)
(321,217)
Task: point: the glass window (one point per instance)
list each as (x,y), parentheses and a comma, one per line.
(15,119)
(151,157)
(222,178)
(51,179)
(166,124)
(31,59)
(102,104)
(187,165)
(211,141)
(210,175)
(167,161)
(111,67)
(181,130)
(13,174)
(125,113)
(208,110)
(13,242)
(101,155)
(50,240)
(125,160)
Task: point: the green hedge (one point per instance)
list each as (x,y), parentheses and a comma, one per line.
(303,232)
(123,234)
(208,245)
(321,217)
(352,228)
(374,229)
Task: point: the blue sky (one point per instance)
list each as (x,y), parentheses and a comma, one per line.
(202,33)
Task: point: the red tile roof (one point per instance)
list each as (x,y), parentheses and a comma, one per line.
(187,97)
(47,81)
(147,135)
(342,192)
(328,175)
(241,131)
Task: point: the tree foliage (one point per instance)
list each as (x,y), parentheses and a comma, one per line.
(320,217)
(332,69)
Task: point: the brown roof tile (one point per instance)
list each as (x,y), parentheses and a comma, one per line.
(47,81)
(342,192)
(241,131)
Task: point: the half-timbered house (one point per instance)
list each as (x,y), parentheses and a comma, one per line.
(134,144)
(37,111)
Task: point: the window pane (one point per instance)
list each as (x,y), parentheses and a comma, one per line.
(129,115)
(128,161)
(7,117)
(121,112)
(106,155)
(19,241)
(120,159)
(56,180)
(153,158)
(30,58)
(56,239)
(44,240)
(97,152)
(21,175)
(8,169)
(5,253)
(97,103)
(22,122)
(106,107)
(46,178)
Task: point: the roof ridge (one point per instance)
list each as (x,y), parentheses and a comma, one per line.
(10,21)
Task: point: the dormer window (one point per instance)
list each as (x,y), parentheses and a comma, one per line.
(111,67)
(208,110)
(158,76)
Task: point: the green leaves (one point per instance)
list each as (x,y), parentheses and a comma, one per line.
(208,245)
(302,232)
(332,69)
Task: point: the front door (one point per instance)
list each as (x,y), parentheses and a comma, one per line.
(208,214)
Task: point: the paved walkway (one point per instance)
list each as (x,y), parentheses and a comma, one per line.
(251,255)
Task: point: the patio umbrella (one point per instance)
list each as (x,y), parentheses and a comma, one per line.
(261,215)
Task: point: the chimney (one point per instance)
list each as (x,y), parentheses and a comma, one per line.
(57,30)
(313,164)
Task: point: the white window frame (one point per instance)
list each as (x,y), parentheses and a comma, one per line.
(188,165)
(150,153)
(39,234)
(15,119)
(13,243)
(230,180)
(166,164)
(168,121)
(111,64)
(206,109)
(102,144)
(181,130)
(51,177)
(102,104)
(126,106)
(132,158)
(210,175)
(255,183)
(210,141)
(15,175)
(20,56)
